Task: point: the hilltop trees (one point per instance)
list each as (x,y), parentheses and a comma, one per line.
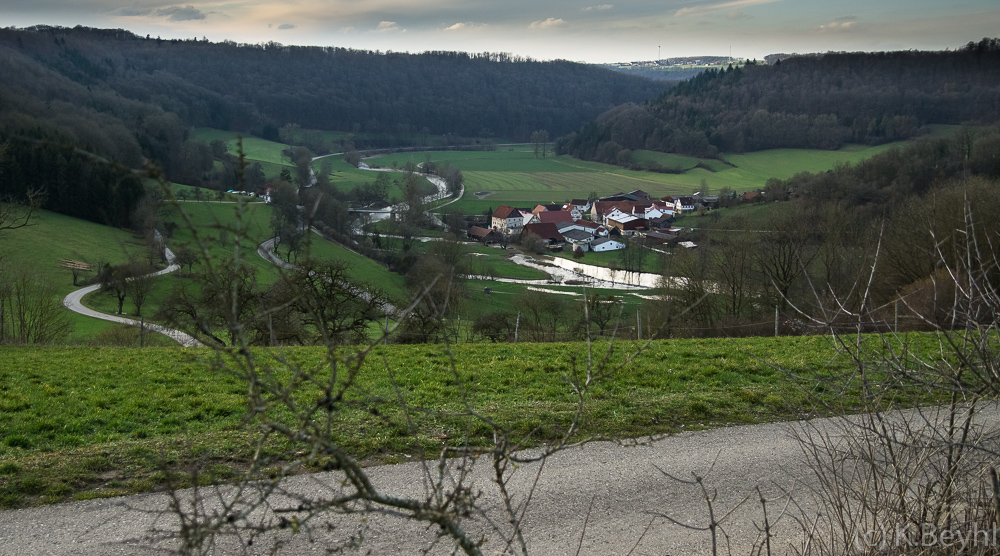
(205,84)
(818,102)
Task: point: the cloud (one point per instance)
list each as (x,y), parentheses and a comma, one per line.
(177,13)
(466,26)
(286,26)
(387,27)
(738,14)
(598,8)
(549,23)
(133,12)
(731,6)
(837,26)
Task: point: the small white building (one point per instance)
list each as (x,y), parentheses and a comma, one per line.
(606,244)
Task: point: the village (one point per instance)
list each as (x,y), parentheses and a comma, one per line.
(598,225)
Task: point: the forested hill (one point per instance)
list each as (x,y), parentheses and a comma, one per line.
(68,94)
(257,88)
(818,101)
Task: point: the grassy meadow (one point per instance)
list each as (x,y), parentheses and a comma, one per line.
(513,175)
(84,422)
(93,422)
(51,237)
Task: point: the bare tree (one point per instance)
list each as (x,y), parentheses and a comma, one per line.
(30,311)
(139,284)
(16,213)
(295,407)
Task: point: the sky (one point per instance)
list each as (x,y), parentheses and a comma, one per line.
(577,30)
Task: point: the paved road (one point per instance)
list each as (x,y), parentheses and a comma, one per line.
(627,489)
(623,487)
(74,302)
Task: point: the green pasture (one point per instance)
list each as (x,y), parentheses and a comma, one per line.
(361,268)
(489,261)
(52,237)
(345,177)
(647,159)
(519,178)
(254,148)
(88,422)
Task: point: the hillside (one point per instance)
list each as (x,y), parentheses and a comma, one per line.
(258,88)
(817,101)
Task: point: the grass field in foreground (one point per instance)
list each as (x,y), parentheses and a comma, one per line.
(85,422)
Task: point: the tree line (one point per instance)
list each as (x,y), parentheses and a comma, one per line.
(133,100)
(816,101)
(868,238)
(258,88)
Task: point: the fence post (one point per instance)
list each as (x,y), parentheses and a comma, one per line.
(638,324)
(517,325)
(776,316)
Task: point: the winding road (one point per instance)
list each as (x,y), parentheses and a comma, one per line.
(74,302)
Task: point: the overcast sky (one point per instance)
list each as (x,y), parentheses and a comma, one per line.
(579,30)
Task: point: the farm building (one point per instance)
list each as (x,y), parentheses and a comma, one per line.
(606,244)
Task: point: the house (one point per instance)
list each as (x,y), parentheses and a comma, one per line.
(625,197)
(685,203)
(660,222)
(578,239)
(606,244)
(661,238)
(547,231)
(602,208)
(552,213)
(657,210)
(574,210)
(707,201)
(483,235)
(582,204)
(507,219)
(598,230)
(554,217)
(627,224)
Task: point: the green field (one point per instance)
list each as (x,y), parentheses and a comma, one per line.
(254,148)
(514,176)
(85,422)
(52,237)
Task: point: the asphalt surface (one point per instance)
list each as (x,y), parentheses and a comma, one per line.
(621,487)
(74,302)
(603,498)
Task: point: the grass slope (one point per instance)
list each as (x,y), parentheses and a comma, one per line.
(84,422)
(51,237)
(515,176)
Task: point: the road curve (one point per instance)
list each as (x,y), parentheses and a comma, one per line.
(74,303)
